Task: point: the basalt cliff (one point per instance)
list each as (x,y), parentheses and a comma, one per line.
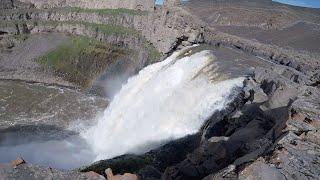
(269,131)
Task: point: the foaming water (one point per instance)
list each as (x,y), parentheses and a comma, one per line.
(67,153)
(42,123)
(165,101)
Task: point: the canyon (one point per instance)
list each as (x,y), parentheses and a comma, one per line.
(267,127)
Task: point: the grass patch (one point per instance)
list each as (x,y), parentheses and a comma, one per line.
(154,54)
(81,59)
(108,11)
(111,29)
(107,29)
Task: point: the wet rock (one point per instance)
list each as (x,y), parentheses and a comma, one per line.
(149,173)
(246,142)
(254,93)
(152,162)
(226,173)
(218,139)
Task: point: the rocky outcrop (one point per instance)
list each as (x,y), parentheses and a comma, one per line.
(262,14)
(144,5)
(169,28)
(306,63)
(12,4)
(20,170)
(292,147)
(166,28)
(6,4)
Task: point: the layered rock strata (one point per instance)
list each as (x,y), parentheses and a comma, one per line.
(144,5)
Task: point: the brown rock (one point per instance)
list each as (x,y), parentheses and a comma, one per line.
(18,162)
(93,176)
(260,170)
(126,176)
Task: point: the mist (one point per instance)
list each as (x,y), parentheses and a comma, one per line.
(165,101)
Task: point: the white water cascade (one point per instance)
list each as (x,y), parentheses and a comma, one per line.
(165,101)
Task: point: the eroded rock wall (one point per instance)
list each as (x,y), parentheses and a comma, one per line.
(145,5)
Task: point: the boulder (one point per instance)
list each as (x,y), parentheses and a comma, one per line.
(126,176)
(17,162)
(259,170)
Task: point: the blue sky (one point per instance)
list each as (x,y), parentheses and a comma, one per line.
(159,1)
(305,3)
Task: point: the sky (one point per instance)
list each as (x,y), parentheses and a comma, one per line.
(159,1)
(304,3)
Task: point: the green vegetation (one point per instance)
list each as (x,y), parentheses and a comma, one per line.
(154,54)
(111,29)
(104,28)
(108,11)
(80,59)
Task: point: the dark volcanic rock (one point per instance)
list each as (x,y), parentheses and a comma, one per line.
(246,137)
(151,163)
(290,148)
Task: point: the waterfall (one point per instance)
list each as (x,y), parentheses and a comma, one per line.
(165,101)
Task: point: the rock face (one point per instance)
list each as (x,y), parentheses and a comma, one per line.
(6,4)
(144,5)
(291,150)
(11,4)
(171,27)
